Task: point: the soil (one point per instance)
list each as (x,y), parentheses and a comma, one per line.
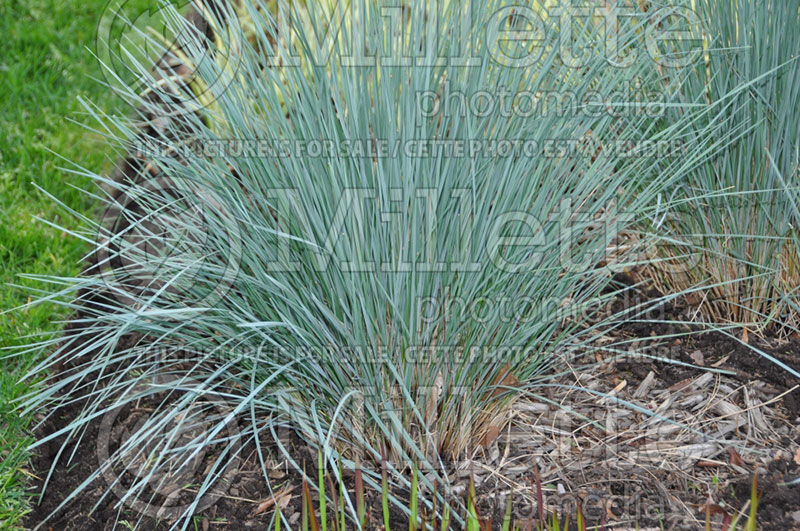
(779,505)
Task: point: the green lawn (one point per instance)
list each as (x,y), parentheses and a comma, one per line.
(44,66)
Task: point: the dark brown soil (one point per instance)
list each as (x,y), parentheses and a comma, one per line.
(776,501)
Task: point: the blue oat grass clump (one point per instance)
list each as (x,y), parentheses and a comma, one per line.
(371,226)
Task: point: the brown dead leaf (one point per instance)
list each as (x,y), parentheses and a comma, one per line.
(283,497)
(680,386)
(611,516)
(712,508)
(735,458)
(264,506)
(797,456)
(504,380)
(491,434)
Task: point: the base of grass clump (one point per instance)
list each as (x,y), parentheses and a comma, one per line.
(729,232)
(586,436)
